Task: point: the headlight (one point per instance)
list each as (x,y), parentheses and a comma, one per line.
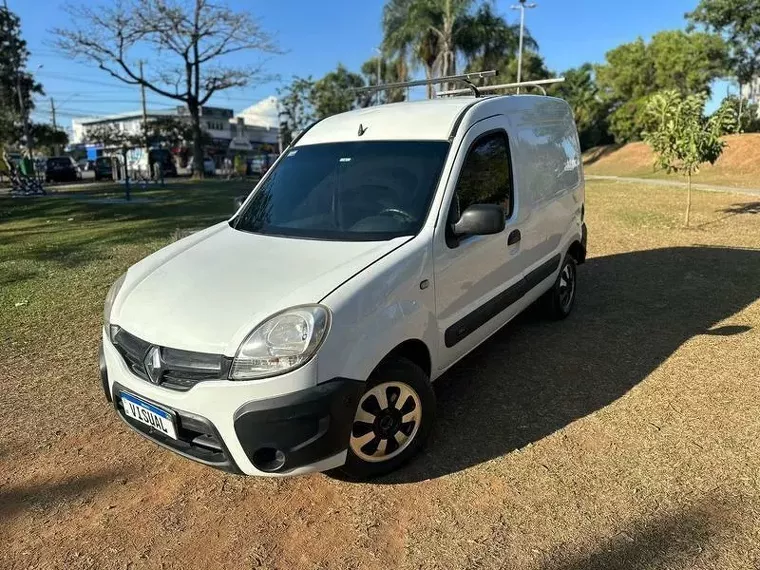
(110,297)
(282,343)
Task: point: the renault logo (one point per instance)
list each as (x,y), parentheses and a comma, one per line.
(154,364)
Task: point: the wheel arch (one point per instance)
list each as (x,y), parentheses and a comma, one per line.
(577,251)
(414,350)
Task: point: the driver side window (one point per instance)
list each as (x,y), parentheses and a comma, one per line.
(486,176)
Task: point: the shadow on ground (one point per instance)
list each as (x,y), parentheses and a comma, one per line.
(599,152)
(534,377)
(46,496)
(745,208)
(672,540)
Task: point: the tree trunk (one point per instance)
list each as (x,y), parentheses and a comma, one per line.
(195,120)
(739,115)
(429,75)
(688,199)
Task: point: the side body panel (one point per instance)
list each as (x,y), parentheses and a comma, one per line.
(478,269)
(549,195)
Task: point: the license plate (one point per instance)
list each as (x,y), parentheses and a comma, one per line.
(148,414)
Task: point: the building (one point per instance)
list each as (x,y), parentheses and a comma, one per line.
(253,132)
(130,123)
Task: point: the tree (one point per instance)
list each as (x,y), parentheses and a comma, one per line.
(405,37)
(296,109)
(747,116)
(335,93)
(111,137)
(589,110)
(433,31)
(738,21)
(191,38)
(393,71)
(488,41)
(13,59)
(47,138)
(680,135)
(686,62)
(172,131)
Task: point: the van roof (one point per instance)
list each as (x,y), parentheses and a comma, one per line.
(432,119)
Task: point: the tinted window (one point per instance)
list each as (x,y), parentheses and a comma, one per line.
(59,161)
(485,176)
(370,190)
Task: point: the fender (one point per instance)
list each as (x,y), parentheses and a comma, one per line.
(378,309)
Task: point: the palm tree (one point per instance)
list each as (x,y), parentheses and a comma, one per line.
(427,29)
(405,36)
(488,41)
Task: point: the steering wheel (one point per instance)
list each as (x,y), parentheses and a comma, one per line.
(397,212)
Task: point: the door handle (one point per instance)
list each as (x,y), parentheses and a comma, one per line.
(514,237)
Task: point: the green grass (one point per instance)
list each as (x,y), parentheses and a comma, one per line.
(59,254)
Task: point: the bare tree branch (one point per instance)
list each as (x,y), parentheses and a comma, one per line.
(192,38)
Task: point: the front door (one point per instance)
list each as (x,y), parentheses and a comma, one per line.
(478,279)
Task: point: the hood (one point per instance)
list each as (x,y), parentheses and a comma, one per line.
(206,292)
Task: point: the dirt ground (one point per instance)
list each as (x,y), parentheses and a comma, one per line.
(626,436)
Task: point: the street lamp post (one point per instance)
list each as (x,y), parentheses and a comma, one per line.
(522,6)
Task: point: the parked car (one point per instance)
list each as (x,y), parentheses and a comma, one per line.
(61,169)
(103,167)
(164,158)
(305,332)
(85,165)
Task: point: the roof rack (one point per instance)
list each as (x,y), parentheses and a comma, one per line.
(465,78)
(538,83)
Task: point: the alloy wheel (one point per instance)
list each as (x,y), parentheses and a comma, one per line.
(566,286)
(387,420)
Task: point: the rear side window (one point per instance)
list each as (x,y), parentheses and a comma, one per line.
(486,176)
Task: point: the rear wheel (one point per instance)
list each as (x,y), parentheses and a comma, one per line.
(392,420)
(561,297)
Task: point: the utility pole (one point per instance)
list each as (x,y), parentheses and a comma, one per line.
(522,6)
(56,152)
(279,128)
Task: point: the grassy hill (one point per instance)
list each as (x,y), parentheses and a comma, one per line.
(738,166)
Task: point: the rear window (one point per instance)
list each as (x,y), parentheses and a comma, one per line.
(352,191)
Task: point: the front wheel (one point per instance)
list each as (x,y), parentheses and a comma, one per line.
(392,420)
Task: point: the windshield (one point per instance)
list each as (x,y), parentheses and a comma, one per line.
(353,191)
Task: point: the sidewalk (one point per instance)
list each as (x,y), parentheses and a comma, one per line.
(695,186)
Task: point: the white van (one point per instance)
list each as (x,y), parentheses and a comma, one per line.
(304,333)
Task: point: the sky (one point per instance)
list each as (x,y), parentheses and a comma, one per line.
(315,36)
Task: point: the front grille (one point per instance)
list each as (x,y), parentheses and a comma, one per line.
(179,369)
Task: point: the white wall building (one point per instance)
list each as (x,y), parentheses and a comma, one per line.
(257,124)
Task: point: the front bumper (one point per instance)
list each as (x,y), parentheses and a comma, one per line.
(262,427)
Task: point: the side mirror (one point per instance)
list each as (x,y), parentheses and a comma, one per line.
(480,220)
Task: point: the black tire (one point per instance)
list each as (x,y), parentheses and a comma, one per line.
(392,371)
(560,299)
